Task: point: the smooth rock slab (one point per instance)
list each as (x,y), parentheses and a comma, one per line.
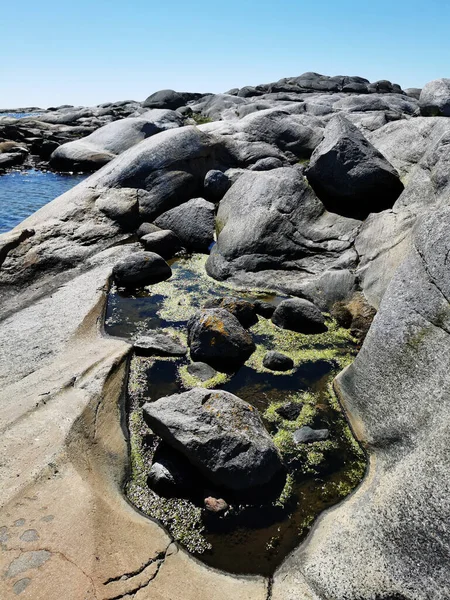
(220,434)
(141,268)
(159,344)
(299,315)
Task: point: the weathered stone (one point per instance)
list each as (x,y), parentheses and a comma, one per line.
(216,506)
(219,434)
(299,315)
(216,185)
(434,98)
(201,371)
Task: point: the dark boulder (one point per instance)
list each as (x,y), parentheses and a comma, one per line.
(165,99)
(243,310)
(165,243)
(289,411)
(216,185)
(171,474)
(193,222)
(220,434)
(141,268)
(276,361)
(216,337)
(264,308)
(299,315)
(350,176)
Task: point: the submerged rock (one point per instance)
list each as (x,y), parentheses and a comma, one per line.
(216,337)
(306,435)
(141,268)
(276,361)
(216,506)
(350,176)
(219,434)
(299,315)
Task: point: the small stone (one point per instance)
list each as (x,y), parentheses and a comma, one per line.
(289,411)
(277,361)
(216,506)
(306,435)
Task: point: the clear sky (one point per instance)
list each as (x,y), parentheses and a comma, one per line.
(88,52)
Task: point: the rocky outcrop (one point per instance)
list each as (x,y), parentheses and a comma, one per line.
(219,434)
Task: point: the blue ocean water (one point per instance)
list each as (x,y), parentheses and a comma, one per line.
(23,192)
(17,115)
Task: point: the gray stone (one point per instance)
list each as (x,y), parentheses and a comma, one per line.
(169,99)
(219,434)
(146,228)
(290,410)
(159,344)
(201,371)
(165,243)
(193,222)
(435,98)
(307,435)
(351,176)
(141,268)
(216,337)
(299,315)
(276,361)
(266,164)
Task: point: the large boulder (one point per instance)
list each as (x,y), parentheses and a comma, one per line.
(218,433)
(434,98)
(169,99)
(298,314)
(271,222)
(216,337)
(193,222)
(141,268)
(349,175)
(104,144)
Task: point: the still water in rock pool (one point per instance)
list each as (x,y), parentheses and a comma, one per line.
(252,536)
(24,192)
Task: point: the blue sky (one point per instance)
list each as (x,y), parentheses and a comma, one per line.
(88,52)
